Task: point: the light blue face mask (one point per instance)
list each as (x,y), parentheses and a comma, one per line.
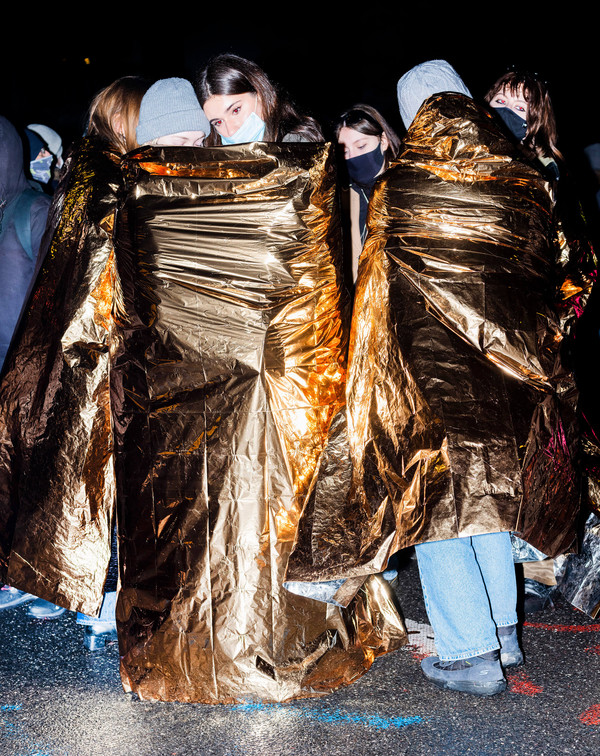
(40,169)
(252,130)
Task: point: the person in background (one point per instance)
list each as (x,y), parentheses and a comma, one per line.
(23,214)
(370,144)
(46,167)
(77,246)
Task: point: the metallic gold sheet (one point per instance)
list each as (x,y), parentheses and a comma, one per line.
(227,364)
(460,413)
(57,487)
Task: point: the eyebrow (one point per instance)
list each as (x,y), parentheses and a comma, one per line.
(227,109)
(233,104)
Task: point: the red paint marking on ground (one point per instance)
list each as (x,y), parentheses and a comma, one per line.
(417,655)
(591,716)
(564,628)
(593,650)
(519,682)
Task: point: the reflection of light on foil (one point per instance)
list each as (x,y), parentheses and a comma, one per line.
(420,640)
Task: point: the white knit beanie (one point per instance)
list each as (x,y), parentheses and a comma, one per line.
(424,80)
(169,107)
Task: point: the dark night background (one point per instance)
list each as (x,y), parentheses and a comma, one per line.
(327,59)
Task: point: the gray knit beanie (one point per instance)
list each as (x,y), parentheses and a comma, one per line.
(169,107)
(424,80)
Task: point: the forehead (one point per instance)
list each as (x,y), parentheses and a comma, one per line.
(349,136)
(216,106)
(188,134)
(515,91)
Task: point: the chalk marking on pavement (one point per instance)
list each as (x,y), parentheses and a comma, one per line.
(564,628)
(335,716)
(519,682)
(15,731)
(591,716)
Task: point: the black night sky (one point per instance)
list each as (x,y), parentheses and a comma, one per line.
(327,60)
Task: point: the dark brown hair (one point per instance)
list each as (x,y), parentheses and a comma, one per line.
(367,120)
(541,135)
(229,74)
(120,99)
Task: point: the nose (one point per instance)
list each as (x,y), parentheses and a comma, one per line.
(226,129)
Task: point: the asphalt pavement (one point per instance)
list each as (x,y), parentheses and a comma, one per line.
(57,699)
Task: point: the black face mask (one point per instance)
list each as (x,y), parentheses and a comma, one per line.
(514,123)
(363,169)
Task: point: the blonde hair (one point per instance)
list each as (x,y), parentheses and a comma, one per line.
(114,112)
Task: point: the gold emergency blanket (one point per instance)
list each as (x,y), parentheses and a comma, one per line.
(226,359)
(461,415)
(57,487)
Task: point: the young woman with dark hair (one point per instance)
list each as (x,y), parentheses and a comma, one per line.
(370,144)
(523,102)
(243,105)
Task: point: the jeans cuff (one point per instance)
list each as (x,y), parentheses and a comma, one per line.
(507,622)
(469,654)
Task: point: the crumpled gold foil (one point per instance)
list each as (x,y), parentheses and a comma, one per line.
(57,486)
(226,361)
(460,412)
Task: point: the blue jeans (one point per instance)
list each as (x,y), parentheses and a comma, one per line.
(106,619)
(470,589)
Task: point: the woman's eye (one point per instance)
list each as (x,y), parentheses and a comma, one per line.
(236,110)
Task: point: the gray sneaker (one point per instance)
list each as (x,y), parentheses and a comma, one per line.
(41,609)
(510,651)
(479,675)
(11,597)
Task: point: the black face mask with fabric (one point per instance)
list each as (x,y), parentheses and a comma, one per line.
(364,168)
(514,123)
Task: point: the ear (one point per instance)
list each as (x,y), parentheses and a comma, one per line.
(117,124)
(259,110)
(385,142)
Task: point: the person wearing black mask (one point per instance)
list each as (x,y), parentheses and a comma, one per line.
(370,144)
(523,103)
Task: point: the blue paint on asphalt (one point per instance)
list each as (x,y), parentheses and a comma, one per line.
(332,716)
(15,731)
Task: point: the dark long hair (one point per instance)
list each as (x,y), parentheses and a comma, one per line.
(367,120)
(228,74)
(541,135)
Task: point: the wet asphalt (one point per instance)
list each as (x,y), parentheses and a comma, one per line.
(57,699)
